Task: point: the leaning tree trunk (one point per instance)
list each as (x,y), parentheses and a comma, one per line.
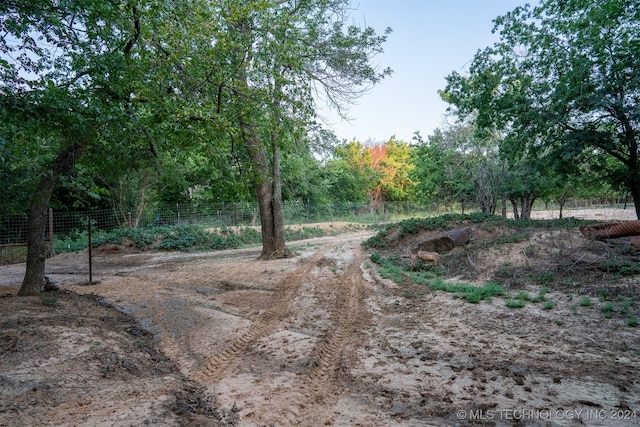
(514,206)
(36,248)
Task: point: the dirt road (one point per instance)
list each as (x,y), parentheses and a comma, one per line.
(321,339)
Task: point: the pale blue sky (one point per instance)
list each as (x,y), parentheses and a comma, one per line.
(430,39)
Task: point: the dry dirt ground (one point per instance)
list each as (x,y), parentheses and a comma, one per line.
(209,339)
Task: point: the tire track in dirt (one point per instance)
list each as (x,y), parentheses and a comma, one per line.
(318,389)
(348,308)
(309,399)
(217,366)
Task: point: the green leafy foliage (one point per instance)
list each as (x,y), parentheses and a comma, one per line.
(448,221)
(567,106)
(389,269)
(303,233)
(180,238)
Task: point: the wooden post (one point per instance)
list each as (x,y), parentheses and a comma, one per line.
(52,250)
(90,264)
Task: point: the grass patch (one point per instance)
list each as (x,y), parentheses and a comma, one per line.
(543,278)
(548,305)
(471,293)
(415,225)
(303,233)
(183,238)
(626,305)
(607,307)
(586,301)
(49,301)
(397,270)
(515,303)
(388,269)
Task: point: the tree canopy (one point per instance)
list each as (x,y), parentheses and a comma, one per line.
(144,85)
(561,81)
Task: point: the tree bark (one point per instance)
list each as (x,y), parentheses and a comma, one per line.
(36,249)
(269,197)
(266,175)
(634,189)
(526,204)
(514,205)
(268,190)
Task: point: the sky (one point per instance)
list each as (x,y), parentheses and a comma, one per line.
(430,40)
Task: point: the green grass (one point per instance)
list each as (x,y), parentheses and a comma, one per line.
(515,303)
(405,273)
(585,301)
(626,305)
(548,305)
(388,269)
(471,293)
(49,301)
(302,233)
(396,270)
(607,308)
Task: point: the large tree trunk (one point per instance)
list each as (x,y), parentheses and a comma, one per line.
(36,248)
(266,175)
(277,205)
(268,190)
(526,204)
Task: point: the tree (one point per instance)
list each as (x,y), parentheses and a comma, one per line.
(563,77)
(456,166)
(266,62)
(67,81)
(392,162)
(353,178)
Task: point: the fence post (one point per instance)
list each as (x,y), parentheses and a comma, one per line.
(128,219)
(52,250)
(90,252)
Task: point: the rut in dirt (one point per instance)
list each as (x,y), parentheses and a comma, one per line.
(317,390)
(348,309)
(220,365)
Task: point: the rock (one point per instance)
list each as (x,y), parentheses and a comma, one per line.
(429,258)
(443,242)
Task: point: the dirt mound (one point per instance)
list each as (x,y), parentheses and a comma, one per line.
(92,363)
(126,247)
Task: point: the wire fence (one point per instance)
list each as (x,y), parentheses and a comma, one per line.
(14,228)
